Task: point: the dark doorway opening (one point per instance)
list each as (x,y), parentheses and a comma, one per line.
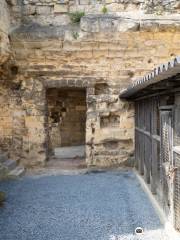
(67,123)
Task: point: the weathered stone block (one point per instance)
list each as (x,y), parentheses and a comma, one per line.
(61,8)
(84,2)
(127,25)
(89,24)
(29,9)
(43,10)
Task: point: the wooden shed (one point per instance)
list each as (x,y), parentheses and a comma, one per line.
(157,134)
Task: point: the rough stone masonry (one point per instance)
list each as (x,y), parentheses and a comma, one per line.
(42,49)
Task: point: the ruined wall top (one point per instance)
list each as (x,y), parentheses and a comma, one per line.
(113,5)
(56,12)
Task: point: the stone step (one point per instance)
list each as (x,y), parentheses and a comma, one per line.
(10,164)
(17,172)
(3,157)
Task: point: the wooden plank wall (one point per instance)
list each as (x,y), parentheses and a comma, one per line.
(147,141)
(148,150)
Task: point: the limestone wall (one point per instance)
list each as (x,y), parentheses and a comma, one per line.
(56,12)
(9,98)
(11,120)
(161,6)
(4,30)
(103,63)
(102,53)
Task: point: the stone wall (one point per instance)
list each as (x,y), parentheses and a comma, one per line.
(11,120)
(4,31)
(102,54)
(103,63)
(161,6)
(9,97)
(56,12)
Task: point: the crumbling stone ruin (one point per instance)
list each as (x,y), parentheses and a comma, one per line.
(62,65)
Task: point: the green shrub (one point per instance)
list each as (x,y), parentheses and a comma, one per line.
(104,10)
(76,16)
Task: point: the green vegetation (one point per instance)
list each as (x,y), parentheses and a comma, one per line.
(75,35)
(104,10)
(159,11)
(76,16)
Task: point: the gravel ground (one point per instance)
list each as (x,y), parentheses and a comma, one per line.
(95,206)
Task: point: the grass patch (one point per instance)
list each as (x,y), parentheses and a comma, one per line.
(76,16)
(104,10)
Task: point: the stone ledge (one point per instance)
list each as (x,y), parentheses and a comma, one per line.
(107,22)
(98,23)
(34,32)
(123,23)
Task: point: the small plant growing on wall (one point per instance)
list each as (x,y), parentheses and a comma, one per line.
(104,10)
(159,10)
(76,16)
(75,35)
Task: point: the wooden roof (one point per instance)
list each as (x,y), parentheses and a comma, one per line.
(162,77)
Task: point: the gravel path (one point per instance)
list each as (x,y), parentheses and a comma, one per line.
(101,206)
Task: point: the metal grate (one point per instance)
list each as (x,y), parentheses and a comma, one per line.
(165,136)
(177,126)
(177,192)
(166,143)
(158,161)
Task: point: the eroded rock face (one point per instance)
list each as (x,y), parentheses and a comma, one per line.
(110,133)
(101,55)
(4,30)
(56,13)
(161,6)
